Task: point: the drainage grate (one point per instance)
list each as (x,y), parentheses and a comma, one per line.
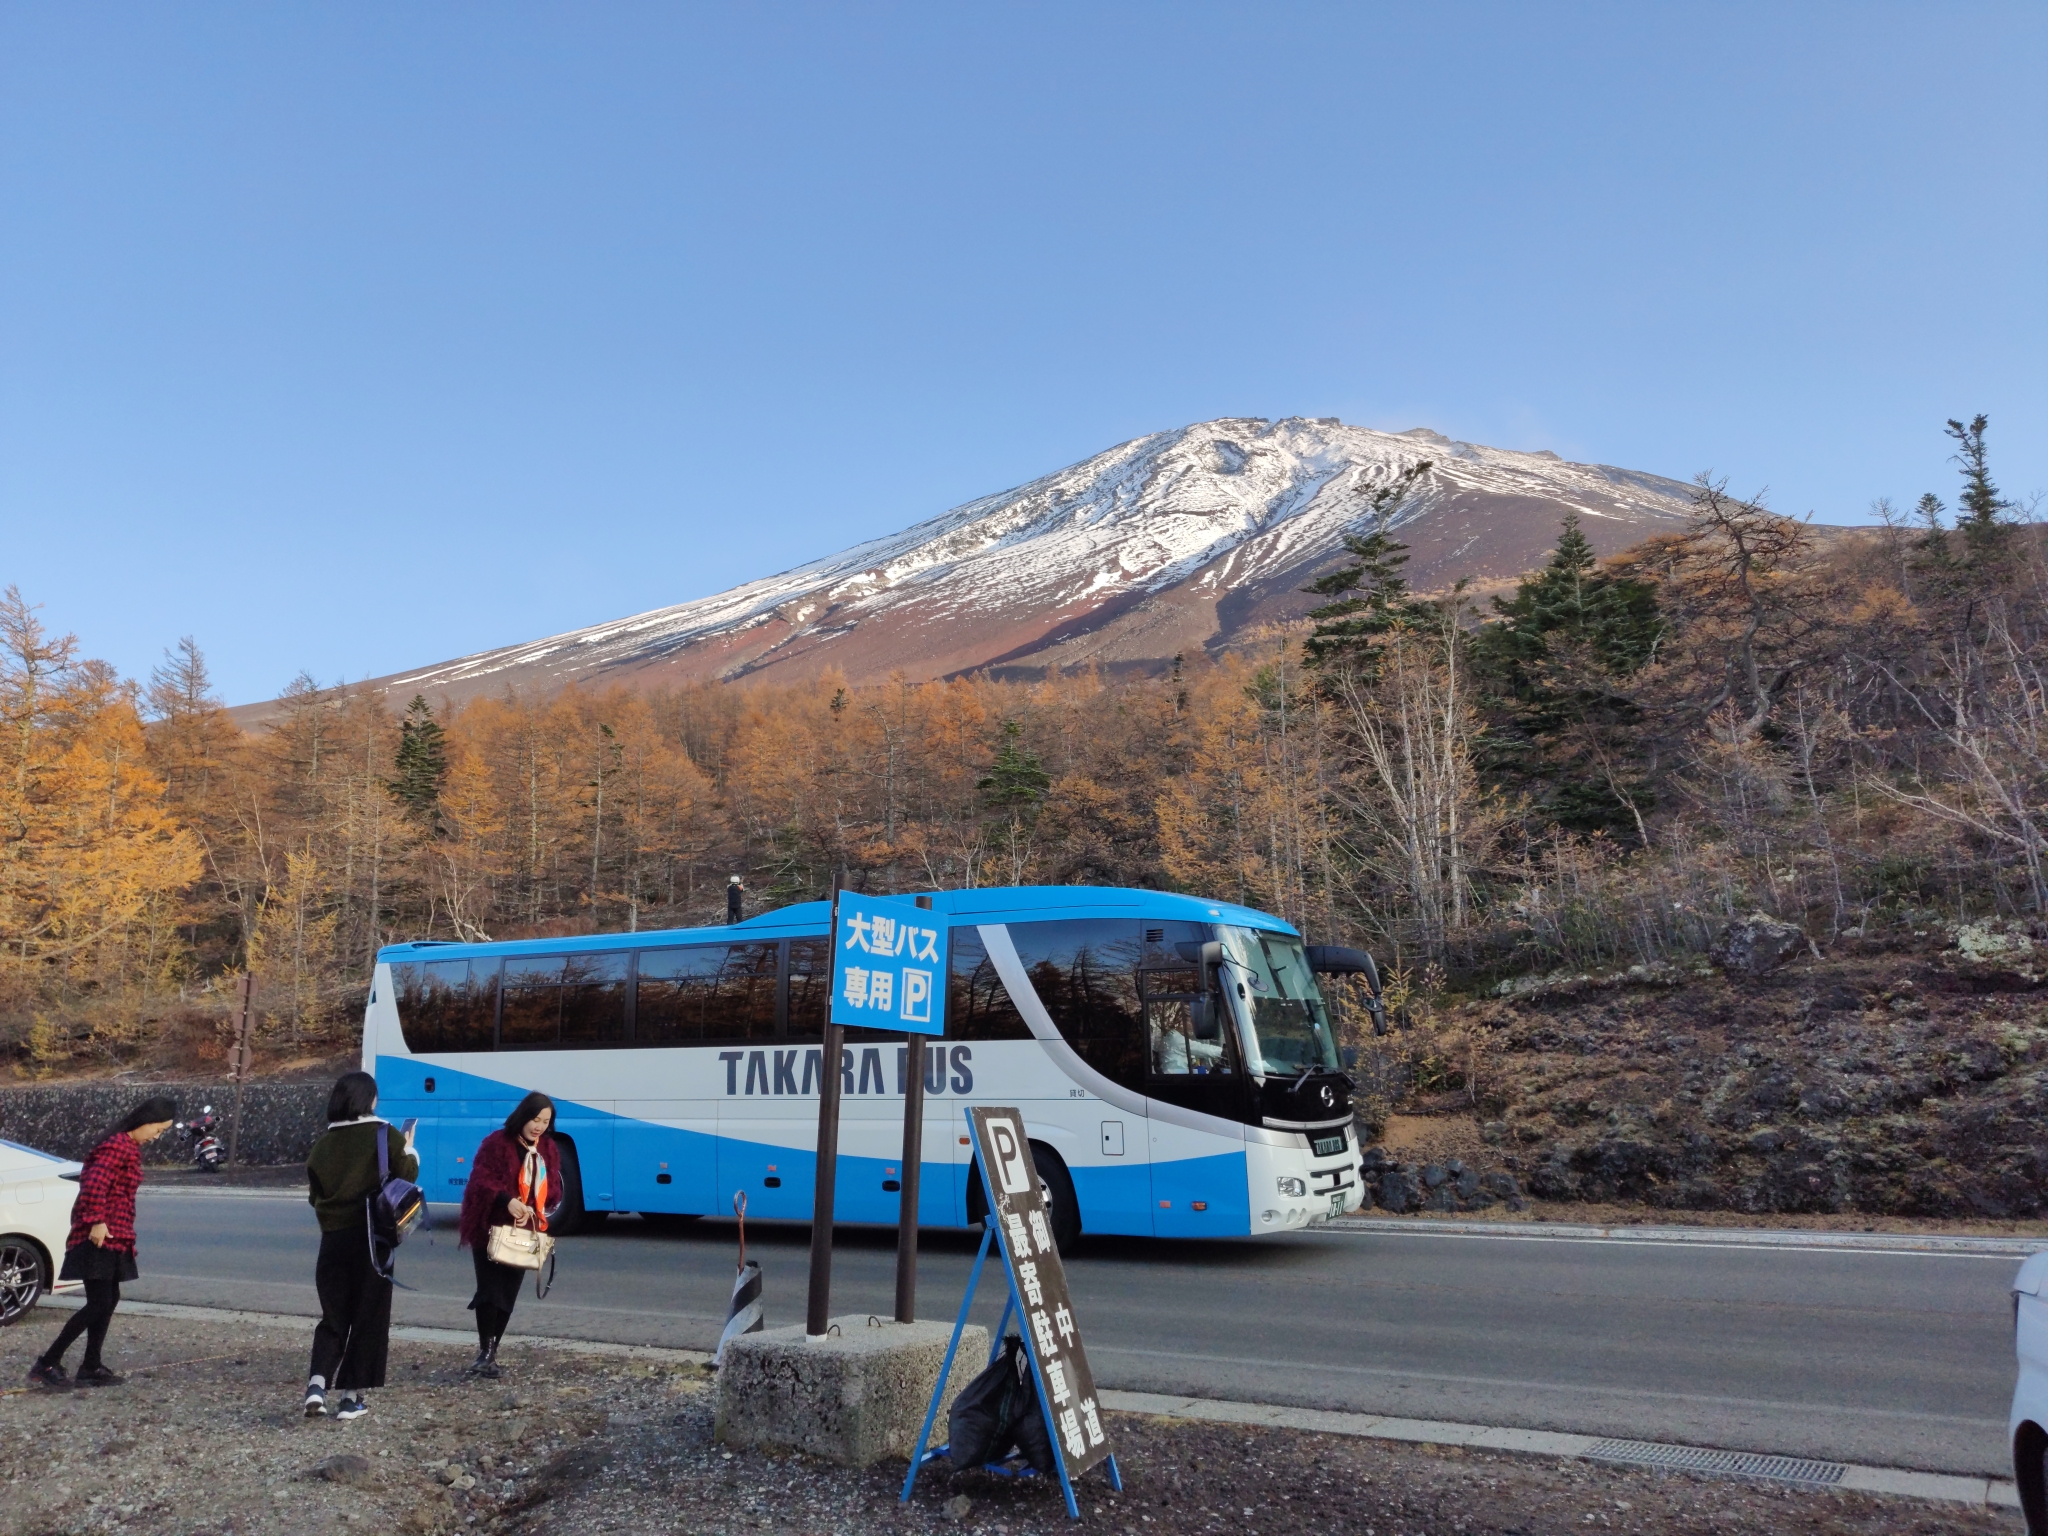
(1689,1458)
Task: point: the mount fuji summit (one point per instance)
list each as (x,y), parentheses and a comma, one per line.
(1171,543)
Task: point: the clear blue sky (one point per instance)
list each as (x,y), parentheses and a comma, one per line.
(350,337)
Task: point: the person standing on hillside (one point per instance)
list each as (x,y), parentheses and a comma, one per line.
(354,1335)
(515,1180)
(733,892)
(101,1248)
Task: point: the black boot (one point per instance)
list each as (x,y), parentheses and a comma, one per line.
(487,1362)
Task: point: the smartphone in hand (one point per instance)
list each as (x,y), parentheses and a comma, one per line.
(407,1129)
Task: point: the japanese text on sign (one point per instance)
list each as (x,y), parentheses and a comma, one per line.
(888,966)
(1066,1384)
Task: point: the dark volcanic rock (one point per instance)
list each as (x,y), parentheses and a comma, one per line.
(1397,1192)
(1759,943)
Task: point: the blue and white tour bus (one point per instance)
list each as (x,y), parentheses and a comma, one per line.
(1174,1058)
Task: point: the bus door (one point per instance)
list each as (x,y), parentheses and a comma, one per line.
(1198,1167)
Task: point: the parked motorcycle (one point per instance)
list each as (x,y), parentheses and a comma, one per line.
(208,1150)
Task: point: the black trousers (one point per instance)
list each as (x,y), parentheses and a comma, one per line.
(101,1297)
(497,1292)
(353,1341)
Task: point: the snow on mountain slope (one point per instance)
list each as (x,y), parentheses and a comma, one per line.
(1173,540)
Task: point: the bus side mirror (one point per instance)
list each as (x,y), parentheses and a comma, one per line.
(1203,1016)
(1208,956)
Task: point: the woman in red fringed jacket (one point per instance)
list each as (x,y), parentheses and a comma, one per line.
(515,1180)
(101,1248)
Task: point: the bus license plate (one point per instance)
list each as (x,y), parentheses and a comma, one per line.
(1337,1203)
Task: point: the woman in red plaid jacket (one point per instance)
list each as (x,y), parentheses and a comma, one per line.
(101,1248)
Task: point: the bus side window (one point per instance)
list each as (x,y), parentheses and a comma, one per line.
(532,1015)
(409,996)
(705,993)
(977,1007)
(1183,1036)
(469,1019)
(594,999)
(810,981)
(744,1005)
(449,1005)
(1085,972)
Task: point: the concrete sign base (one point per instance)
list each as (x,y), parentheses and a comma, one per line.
(855,1398)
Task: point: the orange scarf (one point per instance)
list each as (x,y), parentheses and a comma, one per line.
(533,1188)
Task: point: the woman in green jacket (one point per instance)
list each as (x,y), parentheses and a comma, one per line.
(354,1335)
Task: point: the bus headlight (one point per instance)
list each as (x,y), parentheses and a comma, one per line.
(1292,1187)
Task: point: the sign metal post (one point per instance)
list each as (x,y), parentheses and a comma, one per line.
(888,972)
(912,1168)
(818,1308)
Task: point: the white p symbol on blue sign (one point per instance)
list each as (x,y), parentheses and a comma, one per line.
(917,996)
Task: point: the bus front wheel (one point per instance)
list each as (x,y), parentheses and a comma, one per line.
(1055,1187)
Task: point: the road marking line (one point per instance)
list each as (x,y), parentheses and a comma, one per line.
(1902,1243)
(1554,1387)
(1981,1492)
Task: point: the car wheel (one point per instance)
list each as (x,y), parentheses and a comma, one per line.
(23,1278)
(2030,1466)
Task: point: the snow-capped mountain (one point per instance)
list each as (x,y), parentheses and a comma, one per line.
(1162,545)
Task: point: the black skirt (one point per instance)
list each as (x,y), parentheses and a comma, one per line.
(85,1262)
(497,1285)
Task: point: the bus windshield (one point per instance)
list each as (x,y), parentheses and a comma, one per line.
(1287,1026)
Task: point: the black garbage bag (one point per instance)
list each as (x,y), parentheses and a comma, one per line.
(1028,1432)
(997,1414)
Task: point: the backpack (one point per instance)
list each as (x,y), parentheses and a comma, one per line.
(396,1208)
(998,1414)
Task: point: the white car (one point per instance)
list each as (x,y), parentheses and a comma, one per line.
(36,1192)
(2029,1429)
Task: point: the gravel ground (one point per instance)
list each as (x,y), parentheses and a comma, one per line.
(206,1437)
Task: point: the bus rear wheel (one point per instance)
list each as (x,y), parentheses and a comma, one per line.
(574,1216)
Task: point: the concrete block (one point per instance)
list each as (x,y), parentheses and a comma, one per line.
(856,1397)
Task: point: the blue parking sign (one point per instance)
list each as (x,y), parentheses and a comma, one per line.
(888,966)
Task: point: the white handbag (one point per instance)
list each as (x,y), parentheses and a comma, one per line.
(519,1247)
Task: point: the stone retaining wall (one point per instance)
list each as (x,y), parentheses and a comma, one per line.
(279,1120)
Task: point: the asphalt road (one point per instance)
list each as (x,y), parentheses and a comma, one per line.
(1895,1359)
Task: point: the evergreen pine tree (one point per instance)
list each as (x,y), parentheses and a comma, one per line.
(1372,594)
(1549,660)
(421,764)
(1016,780)
(1981,502)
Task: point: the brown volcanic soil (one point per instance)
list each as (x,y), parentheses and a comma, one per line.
(1871,1082)
(207,1438)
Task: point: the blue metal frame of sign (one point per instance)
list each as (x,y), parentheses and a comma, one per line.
(992,1230)
(888,966)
